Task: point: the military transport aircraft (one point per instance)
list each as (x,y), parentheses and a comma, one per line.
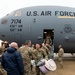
(34,23)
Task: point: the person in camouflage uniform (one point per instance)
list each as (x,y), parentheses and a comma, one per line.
(33,65)
(48,40)
(49,47)
(39,54)
(47,51)
(60,55)
(32,47)
(2,71)
(26,53)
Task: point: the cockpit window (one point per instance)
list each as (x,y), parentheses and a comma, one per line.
(15,13)
(18,13)
(12,13)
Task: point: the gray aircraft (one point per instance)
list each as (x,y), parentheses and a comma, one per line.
(35,23)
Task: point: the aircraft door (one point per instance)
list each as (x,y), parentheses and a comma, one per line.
(49,33)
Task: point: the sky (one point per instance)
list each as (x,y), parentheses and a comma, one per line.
(7,6)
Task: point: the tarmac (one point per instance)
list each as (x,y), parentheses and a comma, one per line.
(69,65)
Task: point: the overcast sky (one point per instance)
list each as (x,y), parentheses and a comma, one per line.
(7,6)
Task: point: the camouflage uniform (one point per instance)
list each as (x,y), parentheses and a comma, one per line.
(33,67)
(48,40)
(32,47)
(47,51)
(1,51)
(40,54)
(27,56)
(60,56)
(2,71)
(49,47)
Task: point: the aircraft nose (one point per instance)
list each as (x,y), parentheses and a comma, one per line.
(1,31)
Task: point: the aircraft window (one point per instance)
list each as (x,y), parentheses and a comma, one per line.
(18,13)
(10,13)
(4,21)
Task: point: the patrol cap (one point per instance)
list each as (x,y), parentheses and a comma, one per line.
(60,46)
(27,42)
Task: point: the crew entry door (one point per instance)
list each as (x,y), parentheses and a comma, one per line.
(48,33)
